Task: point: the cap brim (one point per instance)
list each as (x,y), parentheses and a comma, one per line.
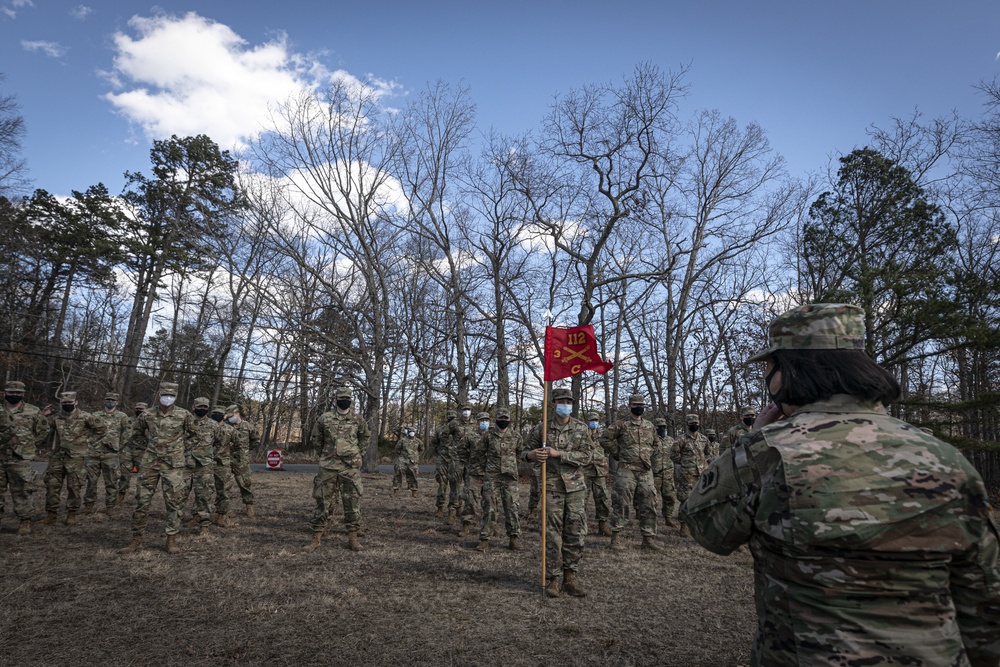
(760,356)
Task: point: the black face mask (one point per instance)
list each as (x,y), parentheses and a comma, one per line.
(217,416)
(767,385)
(693,428)
(13,400)
(139,412)
(661,431)
(638,410)
(68,407)
(502,423)
(201,412)
(343,403)
(748,421)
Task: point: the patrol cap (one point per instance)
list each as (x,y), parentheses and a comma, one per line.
(344,392)
(636,399)
(201,402)
(111,396)
(562,394)
(592,416)
(816,326)
(465,406)
(709,431)
(692,419)
(483,415)
(232,410)
(660,422)
(450,414)
(218,410)
(67,397)
(168,389)
(14,387)
(141,406)
(748,412)
(503,413)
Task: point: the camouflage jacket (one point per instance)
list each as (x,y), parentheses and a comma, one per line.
(222,443)
(734,434)
(202,448)
(408,449)
(661,457)
(872,541)
(76,432)
(689,453)
(341,439)
(119,429)
(441,444)
(576,447)
(501,451)
(164,437)
(29,432)
(243,439)
(464,436)
(710,450)
(631,442)
(599,460)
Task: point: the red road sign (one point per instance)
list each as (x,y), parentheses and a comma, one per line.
(275,459)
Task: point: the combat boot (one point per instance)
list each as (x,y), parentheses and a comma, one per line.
(616,542)
(484,545)
(684,532)
(221,521)
(314,545)
(360,531)
(649,544)
(50,519)
(120,500)
(552,590)
(192,522)
(250,512)
(110,509)
(88,509)
(464,531)
(669,522)
(602,529)
(352,541)
(133,546)
(451,516)
(70,518)
(571,586)
(532,515)
(202,531)
(172,547)
(25,527)
(413,493)
(515,544)
(395,493)
(439,513)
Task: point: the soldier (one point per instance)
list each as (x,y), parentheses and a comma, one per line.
(502,446)
(74,432)
(712,446)
(408,448)
(596,475)
(342,438)
(128,458)
(567,452)
(163,436)
(104,456)
(25,429)
(243,440)
(463,431)
(199,465)
(442,449)
(663,473)
(632,443)
(222,472)
(747,416)
(873,542)
(471,449)
(688,453)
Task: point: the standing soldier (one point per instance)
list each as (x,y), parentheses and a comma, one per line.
(104,456)
(502,447)
(460,429)
(408,448)
(75,430)
(663,473)
(747,417)
(568,451)
(25,430)
(163,435)
(712,446)
(688,452)
(596,475)
(222,470)
(128,458)
(244,439)
(632,442)
(442,449)
(199,465)
(342,438)
(471,449)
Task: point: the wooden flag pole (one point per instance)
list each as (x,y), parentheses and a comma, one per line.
(545,444)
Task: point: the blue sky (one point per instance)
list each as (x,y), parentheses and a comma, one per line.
(815,75)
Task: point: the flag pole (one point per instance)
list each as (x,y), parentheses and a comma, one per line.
(545,444)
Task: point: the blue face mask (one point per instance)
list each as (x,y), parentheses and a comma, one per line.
(483,426)
(594,425)
(564,409)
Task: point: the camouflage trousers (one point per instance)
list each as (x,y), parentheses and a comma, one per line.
(473,502)
(108,464)
(199,479)
(241,474)
(404,470)
(18,476)
(500,490)
(665,486)
(327,484)
(128,460)
(171,482)
(535,490)
(686,479)
(71,469)
(442,480)
(566,531)
(633,489)
(456,478)
(597,488)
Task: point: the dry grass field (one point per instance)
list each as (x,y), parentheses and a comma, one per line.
(417,595)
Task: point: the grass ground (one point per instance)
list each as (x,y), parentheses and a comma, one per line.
(417,595)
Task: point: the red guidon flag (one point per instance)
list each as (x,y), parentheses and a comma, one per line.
(569,352)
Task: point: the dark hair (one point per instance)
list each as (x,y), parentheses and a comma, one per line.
(808,376)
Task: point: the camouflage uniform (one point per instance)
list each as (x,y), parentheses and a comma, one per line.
(199,463)
(74,433)
(565,491)
(712,444)
(408,450)
(462,431)
(632,442)
(128,457)
(501,450)
(596,475)
(243,440)
(471,448)
(223,469)
(688,453)
(873,543)
(163,435)
(741,429)
(24,430)
(342,440)
(663,473)
(442,449)
(104,455)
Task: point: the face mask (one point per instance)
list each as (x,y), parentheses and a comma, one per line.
(167,401)
(638,410)
(661,431)
(451,419)
(594,425)
(201,412)
(767,384)
(693,428)
(232,420)
(466,413)
(12,399)
(68,407)
(483,426)
(711,438)
(564,409)
(110,405)
(343,403)
(217,416)
(748,421)
(502,424)
(139,412)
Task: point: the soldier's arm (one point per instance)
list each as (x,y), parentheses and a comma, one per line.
(675,451)
(609,441)
(582,451)
(534,439)
(364,434)
(316,436)
(254,438)
(41,429)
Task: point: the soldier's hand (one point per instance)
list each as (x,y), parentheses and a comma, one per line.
(47,410)
(768,415)
(539,454)
(554,453)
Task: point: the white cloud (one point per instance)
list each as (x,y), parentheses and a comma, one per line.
(81,12)
(51,49)
(10,13)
